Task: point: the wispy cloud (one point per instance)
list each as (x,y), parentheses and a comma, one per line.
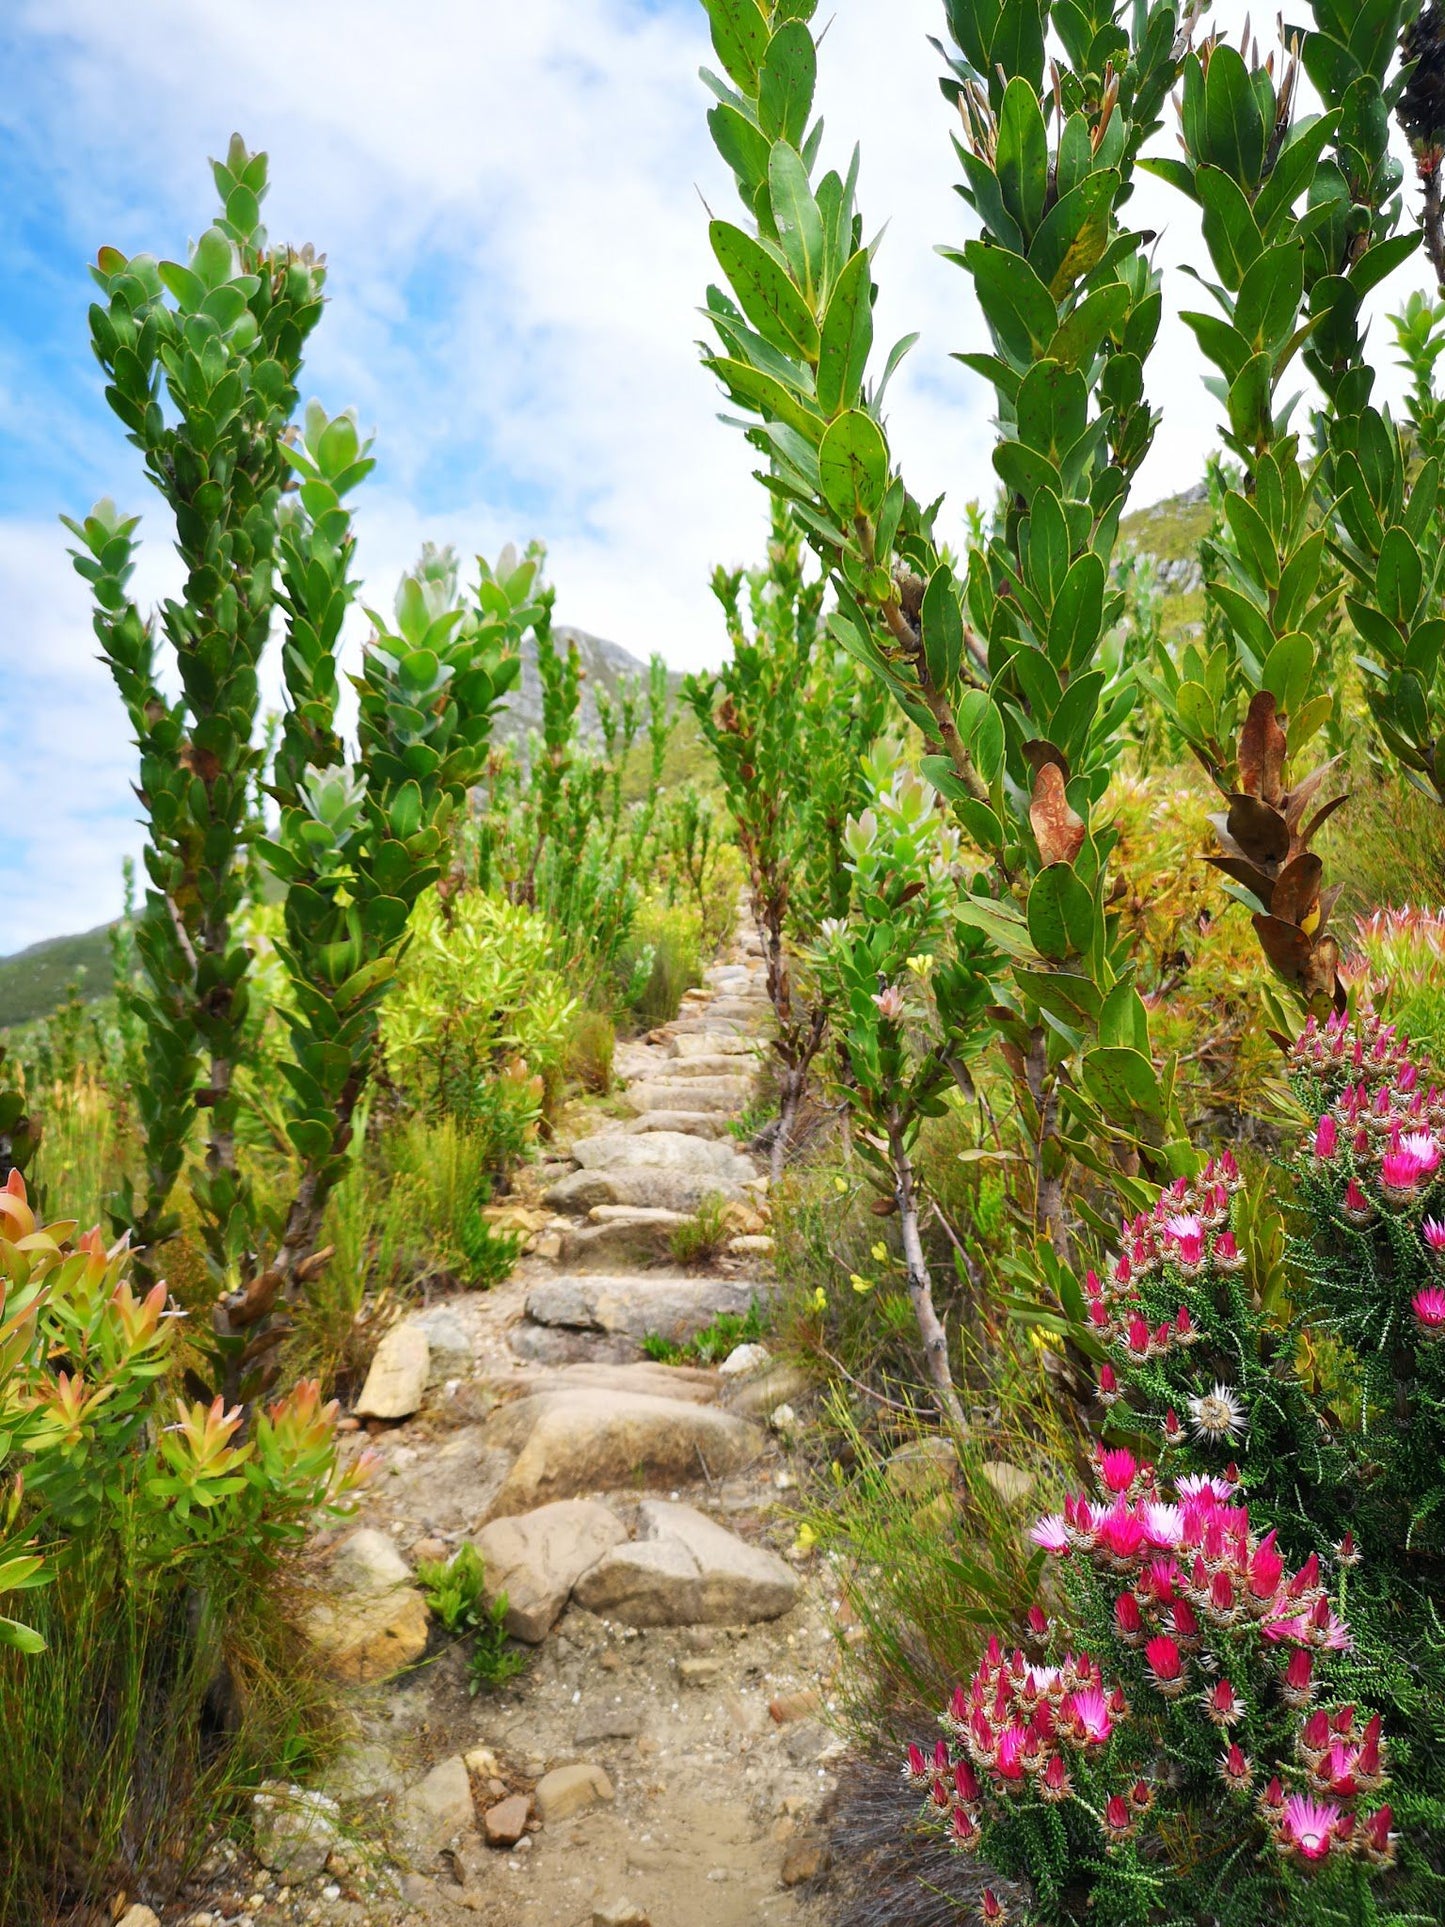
(509,199)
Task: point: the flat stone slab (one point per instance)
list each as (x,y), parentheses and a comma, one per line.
(571,1443)
(647,1187)
(396,1382)
(723,1044)
(677,1308)
(536,1559)
(684,1569)
(663,1151)
(612,1243)
(702,1064)
(706,1124)
(691,1093)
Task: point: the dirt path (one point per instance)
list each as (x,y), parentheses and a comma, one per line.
(664,1755)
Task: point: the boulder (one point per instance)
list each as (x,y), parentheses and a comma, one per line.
(675,1307)
(374,1622)
(625,1235)
(621,1912)
(716,1158)
(295,1829)
(449,1343)
(600,1723)
(702,1064)
(398,1375)
(715,1044)
(592,1441)
(762,1392)
(571,1789)
(536,1558)
(579,1191)
(504,1824)
(704,1124)
(648,1188)
(921,1468)
(138,1916)
(743,1359)
(1012,1484)
(684,1569)
(437,1808)
(690,1094)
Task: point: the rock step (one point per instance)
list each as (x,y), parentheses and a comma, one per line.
(725,1044)
(679,1192)
(570,1443)
(701,1064)
(708,1124)
(718,1159)
(690,1094)
(632,1237)
(683,1569)
(676,1307)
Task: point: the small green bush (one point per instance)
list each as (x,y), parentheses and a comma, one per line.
(713,1343)
(455,1590)
(590,1044)
(699,1239)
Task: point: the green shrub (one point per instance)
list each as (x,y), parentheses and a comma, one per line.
(149,1674)
(479,1018)
(455,1592)
(671,938)
(1401,972)
(699,1239)
(713,1343)
(590,1044)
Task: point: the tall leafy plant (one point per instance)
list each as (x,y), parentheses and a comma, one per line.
(1003,668)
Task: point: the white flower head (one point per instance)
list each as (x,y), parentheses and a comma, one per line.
(1217,1415)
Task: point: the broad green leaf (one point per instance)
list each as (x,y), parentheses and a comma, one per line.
(765,294)
(1082,333)
(1233,125)
(740,37)
(1051,409)
(1060,913)
(853,465)
(1018,307)
(1270,293)
(1021,156)
(1122,1081)
(1249,402)
(1230,232)
(786,81)
(1075,233)
(756,390)
(1078,613)
(847,337)
(742,145)
(1399,576)
(942,628)
(799,221)
(981,726)
(1288,669)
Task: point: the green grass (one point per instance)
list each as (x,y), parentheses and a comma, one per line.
(713,1343)
(34,982)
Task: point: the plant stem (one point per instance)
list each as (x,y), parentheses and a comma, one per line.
(920,1284)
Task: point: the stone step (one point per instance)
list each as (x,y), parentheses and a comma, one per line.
(695,1044)
(675,1307)
(747,1010)
(711,1027)
(632,1237)
(706,1124)
(683,1569)
(713,1064)
(577,1442)
(640,1187)
(691,1094)
(715,1158)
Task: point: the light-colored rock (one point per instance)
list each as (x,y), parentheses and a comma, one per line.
(718,1044)
(598,1724)
(295,1829)
(783,1419)
(138,1916)
(537,1557)
(437,1808)
(690,1094)
(703,1124)
(743,1359)
(804,1860)
(683,1569)
(571,1789)
(482,1763)
(620,1237)
(648,1188)
(580,1190)
(805,1704)
(675,1307)
(701,1064)
(449,1343)
(921,1468)
(692,1382)
(664,1151)
(398,1375)
(1012,1484)
(504,1824)
(591,1441)
(751,1244)
(777,1384)
(373,1622)
(621,1912)
(362,1772)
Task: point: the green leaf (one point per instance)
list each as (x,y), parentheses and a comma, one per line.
(1078,613)
(1249,402)
(1064,994)
(785,84)
(1230,232)
(1288,670)
(743,146)
(1051,409)
(213,258)
(740,37)
(1000,923)
(1075,233)
(1124,1019)
(847,337)
(1060,913)
(1291,173)
(1269,297)
(1081,334)
(942,628)
(1122,1082)
(980,724)
(1021,156)
(754,389)
(1017,306)
(765,294)
(853,465)
(1399,576)
(1233,125)
(24,1639)
(797,216)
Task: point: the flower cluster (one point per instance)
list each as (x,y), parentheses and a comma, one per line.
(1223,1643)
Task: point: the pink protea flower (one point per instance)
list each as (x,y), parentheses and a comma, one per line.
(1011,1743)
(966,1782)
(1236,1769)
(1163,1524)
(1054,1781)
(1223,1704)
(1327,1138)
(1138,1339)
(1117,1469)
(1266,1569)
(1307,1826)
(1297,1686)
(890,1003)
(1108,1385)
(1337,1771)
(1433,1232)
(1166,1665)
(1357,1207)
(992,1910)
(1379,1842)
(1429,1309)
(1118,1817)
(1084,1717)
(1128,1620)
(1038,1622)
(1347,1552)
(1174,1433)
(1121,1532)
(965,1830)
(1049,1532)
(1424,1148)
(1227,1255)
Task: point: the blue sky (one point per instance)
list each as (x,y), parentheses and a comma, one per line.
(508,196)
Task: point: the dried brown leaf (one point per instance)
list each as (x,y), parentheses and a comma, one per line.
(1058,829)
(1263,747)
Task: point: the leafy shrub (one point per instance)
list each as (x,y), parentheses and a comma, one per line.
(670,936)
(713,1343)
(141,1683)
(479,1019)
(699,1238)
(590,1045)
(455,1590)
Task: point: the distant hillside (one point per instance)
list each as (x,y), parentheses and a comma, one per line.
(34,981)
(1169,534)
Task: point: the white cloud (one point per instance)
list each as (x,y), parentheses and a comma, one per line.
(508,197)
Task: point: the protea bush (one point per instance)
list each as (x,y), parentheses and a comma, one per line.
(1240,1641)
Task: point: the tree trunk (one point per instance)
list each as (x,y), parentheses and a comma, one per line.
(920,1284)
